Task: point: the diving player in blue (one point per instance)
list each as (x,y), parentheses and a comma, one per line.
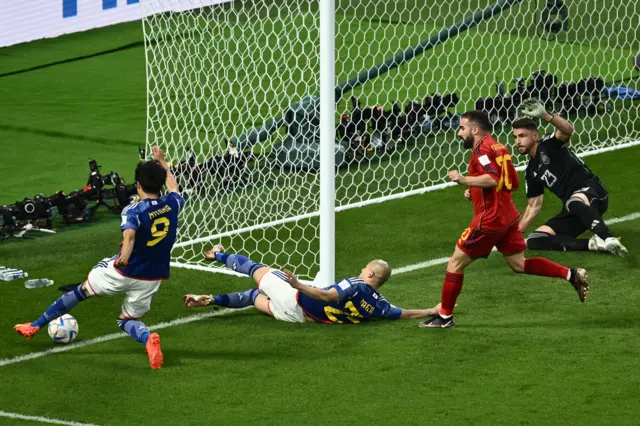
(149,232)
(281,295)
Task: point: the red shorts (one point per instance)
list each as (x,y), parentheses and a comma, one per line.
(475,243)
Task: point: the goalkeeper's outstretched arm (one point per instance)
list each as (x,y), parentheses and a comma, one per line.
(564,129)
(534,108)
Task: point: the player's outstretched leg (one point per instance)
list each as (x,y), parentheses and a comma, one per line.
(236,262)
(238,299)
(140,333)
(546,268)
(63,305)
(540,240)
(451,288)
(591,219)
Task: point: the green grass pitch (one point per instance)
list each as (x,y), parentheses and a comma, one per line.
(525,350)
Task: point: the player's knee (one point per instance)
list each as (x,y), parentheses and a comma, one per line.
(516,263)
(539,240)
(517,267)
(547,229)
(133,312)
(582,197)
(85,289)
(576,202)
(455,265)
(258,273)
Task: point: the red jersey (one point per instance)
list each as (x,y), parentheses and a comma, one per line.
(494,208)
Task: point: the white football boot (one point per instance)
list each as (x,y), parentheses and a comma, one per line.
(613,245)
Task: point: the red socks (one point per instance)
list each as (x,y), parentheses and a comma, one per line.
(545,268)
(535,266)
(450,290)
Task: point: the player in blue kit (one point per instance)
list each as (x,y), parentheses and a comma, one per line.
(281,295)
(149,231)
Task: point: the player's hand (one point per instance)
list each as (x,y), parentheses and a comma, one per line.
(158,155)
(293,280)
(467,194)
(533,108)
(122,262)
(210,255)
(195,300)
(436,309)
(455,176)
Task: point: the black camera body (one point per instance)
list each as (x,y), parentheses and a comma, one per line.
(32,209)
(374,128)
(565,98)
(94,191)
(227,171)
(72,208)
(504,108)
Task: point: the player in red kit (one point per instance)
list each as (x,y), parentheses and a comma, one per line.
(491,180)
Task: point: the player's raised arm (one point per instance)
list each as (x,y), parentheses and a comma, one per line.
(534,108)
(330,295)
(170,183)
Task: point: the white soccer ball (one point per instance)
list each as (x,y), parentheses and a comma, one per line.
(63,329)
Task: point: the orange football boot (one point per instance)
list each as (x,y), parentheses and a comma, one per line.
(26,330)
(153,350)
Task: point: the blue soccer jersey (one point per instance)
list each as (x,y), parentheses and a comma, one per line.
(156,223)
(358,302)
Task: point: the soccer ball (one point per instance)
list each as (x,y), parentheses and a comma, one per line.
(63,329)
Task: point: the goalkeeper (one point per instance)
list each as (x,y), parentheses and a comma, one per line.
(282,296)
(554,166)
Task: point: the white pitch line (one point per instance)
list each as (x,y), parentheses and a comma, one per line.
(199,317)
(42,419)
(626,218)
(106,338)
(421,265)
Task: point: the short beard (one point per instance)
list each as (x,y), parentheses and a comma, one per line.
(467,142)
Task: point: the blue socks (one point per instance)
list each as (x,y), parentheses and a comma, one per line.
(238,299)
(239,263)
(61,306)
(135,328)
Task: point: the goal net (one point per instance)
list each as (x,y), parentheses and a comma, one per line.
(232,97)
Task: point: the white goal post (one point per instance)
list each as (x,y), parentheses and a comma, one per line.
(276,115)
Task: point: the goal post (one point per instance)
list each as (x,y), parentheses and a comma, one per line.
(326,273)
(241,97)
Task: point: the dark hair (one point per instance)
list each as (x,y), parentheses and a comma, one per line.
(525,123)
(151,176)
(480,118)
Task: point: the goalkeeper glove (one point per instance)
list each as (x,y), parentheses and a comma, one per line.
(534,108)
